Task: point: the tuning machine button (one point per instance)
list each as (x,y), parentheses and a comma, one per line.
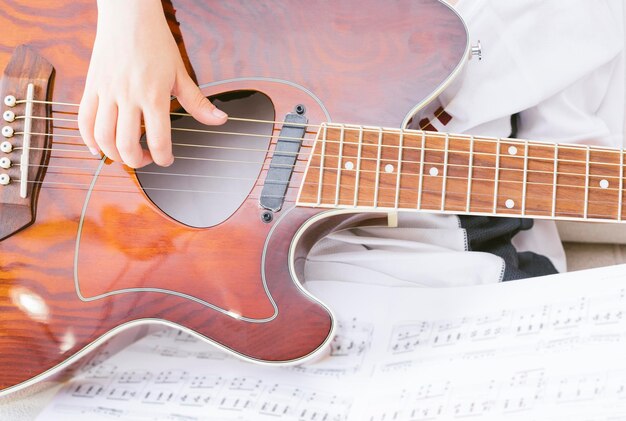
(5,179)
(5,163)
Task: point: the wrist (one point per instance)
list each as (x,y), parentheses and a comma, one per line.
(129,12)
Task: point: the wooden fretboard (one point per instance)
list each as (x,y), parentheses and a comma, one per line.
(371,168)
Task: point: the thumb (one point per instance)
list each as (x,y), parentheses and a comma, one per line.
(195,103)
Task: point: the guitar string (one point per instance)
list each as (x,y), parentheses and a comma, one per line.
(438,134)
(476,153)
(336,156)
(404,161)
(269,152)
(300,161)
(371,171)
(371,129)
(502,142)
(406,189)
(249,120)
(345,186)
(115,189)
(488,154)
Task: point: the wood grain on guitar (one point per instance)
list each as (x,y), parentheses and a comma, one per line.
(101,256)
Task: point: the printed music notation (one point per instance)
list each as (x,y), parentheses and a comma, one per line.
(129,395)
(348,350)
(556,325)
(512,395)
(547,348)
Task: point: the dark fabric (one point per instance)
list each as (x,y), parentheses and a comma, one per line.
(493,235)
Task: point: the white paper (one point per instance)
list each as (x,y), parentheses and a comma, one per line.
(545,348)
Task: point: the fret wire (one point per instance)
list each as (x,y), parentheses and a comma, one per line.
(421,179)
(445,173)
(496,179)
(400,150)
(586,204)
(339,163)
(525,178)
(323,154)
(554,178)
(358,167)
(470,175)
(621,184)
(380,150)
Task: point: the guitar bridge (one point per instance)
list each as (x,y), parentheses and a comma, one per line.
(24,145)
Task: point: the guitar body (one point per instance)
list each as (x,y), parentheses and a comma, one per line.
(103,255)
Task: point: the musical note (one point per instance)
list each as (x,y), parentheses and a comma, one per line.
(87,390)
(134,376)
(567,315)
(406,338)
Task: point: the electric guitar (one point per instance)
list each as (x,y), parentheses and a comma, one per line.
(216,243)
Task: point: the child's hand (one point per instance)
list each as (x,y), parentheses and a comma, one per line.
(135,66)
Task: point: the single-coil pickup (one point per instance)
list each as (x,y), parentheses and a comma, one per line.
(283,160)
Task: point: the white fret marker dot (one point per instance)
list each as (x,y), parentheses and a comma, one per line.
(512,150)
(604,184)
(510,204)
(434,171)
(388,168)
(349,165)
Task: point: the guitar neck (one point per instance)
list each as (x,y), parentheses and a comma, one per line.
(367,168)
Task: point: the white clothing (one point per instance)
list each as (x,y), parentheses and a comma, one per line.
(560,66)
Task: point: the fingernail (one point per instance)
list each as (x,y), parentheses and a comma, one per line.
(219,113)
(93,151)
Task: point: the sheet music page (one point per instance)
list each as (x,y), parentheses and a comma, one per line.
(544,348)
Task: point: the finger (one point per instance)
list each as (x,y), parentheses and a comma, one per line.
(195,103)
(156,119)
(127,137)
(104,129)
(86,120)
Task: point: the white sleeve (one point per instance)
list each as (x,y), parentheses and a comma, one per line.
(559,65)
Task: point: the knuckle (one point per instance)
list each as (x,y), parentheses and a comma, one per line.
(160,147)
(132,162)
(201,101)
(161,156)
(125,148)
(103,137)
(129,155)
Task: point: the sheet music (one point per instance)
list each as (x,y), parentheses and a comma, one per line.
(545,348)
